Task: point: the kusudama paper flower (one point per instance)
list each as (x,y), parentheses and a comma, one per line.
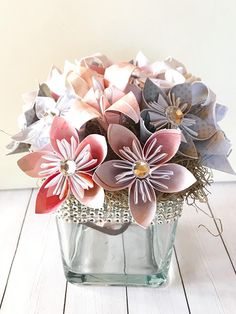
(132,75)
(105,103)
(67,166)
(188,107)
(37,134)
(166,73)
(144,171)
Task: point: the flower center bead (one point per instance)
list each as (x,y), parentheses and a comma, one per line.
(174,114)
(141,169)
(68,167)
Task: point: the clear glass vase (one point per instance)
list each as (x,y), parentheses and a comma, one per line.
(111,249)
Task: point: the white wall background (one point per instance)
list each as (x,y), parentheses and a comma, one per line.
(35,34)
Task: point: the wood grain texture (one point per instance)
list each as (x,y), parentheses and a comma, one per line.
(169,299)
(95,300)
(223,204)
(208,276)
(36,283)
(13,206)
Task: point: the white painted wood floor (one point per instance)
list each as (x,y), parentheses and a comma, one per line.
(202,274)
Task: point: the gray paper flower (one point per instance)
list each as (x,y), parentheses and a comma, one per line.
(188,107)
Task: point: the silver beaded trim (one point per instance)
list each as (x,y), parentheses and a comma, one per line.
(72,211)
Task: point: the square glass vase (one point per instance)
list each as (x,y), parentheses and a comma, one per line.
(106,247)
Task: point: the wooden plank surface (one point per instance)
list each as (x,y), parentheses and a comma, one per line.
(223,205)
(202,274)
(95,300)
(13,207)
(208,275)
(36,283)
(165,300)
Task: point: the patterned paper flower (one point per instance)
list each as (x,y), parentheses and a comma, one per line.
(214,152)
(74,78)
(67,167)
(188,107)
(166,73)
(97,62)
(37,134)
(132,75)
(107,104)
(144,171)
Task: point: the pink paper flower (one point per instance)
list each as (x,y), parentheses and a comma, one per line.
(67,167)
(144,171)
(97,62)
(107,104)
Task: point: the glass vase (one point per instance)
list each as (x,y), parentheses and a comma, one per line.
(106,247)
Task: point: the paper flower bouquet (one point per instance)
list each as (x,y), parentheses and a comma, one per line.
(119,145)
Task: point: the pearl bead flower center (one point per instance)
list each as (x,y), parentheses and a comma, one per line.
(141,169)
(68,167)
(174,114)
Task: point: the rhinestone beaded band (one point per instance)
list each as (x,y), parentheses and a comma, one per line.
(116,210)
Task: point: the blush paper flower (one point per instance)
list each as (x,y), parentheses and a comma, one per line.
(107,104)
(144,171)
(67,166)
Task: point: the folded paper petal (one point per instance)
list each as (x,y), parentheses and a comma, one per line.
(160,67)
(105,175)
(217,162)
(214,152)
(187,147)
(56,82)
(79,85)
(119,137)
(218,144)
(80,113)
(169,140)
(203,129)
(47,202)
(141,60)
(119,74)
(91,100)
(94,197)
(113,94)
(110,117)
(174,76)
(17,148)
(98,148)
(77,190)
(44,105)
(201,94)
(29,97)
(27,134)
(144,122)
(31,163)
(183,92)
(220,112)
(206,112)
(179,181)
(150,121)
(136,90)
(97,62)
(172,63)
(127,105)
(61,129)
(142,212)
(151,93)
(87,75)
